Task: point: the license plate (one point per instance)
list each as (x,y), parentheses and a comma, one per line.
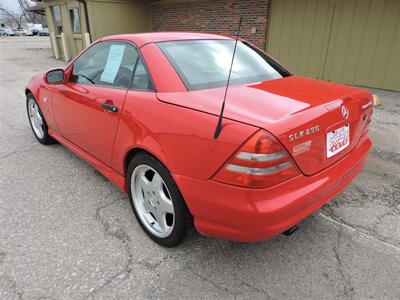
(337,140)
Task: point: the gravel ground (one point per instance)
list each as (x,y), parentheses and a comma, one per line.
(68,233)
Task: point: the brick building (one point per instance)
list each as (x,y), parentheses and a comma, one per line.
(220,17)
(355,42)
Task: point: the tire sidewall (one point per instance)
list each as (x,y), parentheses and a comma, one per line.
(181,214)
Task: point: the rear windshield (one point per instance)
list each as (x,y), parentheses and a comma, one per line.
(204,64)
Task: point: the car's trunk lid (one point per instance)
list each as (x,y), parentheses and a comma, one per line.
(298,111)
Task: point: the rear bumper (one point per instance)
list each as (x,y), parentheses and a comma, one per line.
(241,214)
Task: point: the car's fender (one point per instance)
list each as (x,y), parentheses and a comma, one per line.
(33,85)
(43,95)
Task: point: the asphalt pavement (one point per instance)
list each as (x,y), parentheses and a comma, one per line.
(67,233)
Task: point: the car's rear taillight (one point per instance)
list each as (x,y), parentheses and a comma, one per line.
(261,162)
(367,118)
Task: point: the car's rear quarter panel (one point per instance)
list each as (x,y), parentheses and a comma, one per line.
(181,138)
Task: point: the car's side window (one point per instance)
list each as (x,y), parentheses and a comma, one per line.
(109,63)
(141,79)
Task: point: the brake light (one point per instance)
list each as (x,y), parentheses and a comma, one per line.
(260,163)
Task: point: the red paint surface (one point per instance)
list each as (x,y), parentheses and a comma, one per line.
(177,127)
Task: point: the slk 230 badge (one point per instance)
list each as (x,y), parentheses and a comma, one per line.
(303,133)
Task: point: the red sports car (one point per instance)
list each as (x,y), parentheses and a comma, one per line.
(143,109)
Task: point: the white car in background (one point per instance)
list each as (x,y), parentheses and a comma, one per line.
(6,32)
(23,32)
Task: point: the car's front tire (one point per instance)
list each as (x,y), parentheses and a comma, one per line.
(156,201)
(37,121)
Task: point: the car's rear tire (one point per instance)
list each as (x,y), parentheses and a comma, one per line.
(156,201)
(37,121)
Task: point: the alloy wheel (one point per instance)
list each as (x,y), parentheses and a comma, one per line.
(35,118)
(152,201)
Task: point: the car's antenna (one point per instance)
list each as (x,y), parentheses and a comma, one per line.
(219,124)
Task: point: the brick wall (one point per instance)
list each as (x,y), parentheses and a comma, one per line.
(215,16)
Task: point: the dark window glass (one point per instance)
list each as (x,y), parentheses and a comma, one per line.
(204,64)
(141,79)
(106,63)
(57,18)
(75,21)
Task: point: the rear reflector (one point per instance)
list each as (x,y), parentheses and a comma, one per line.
(259,156)
(258,171)
(260,163)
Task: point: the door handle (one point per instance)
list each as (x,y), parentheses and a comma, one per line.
(110,107)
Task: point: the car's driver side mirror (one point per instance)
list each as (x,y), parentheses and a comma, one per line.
(55,76)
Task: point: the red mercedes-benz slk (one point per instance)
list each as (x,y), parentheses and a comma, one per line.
(143,109)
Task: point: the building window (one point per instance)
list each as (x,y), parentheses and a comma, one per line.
(57,18)
(75,20)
